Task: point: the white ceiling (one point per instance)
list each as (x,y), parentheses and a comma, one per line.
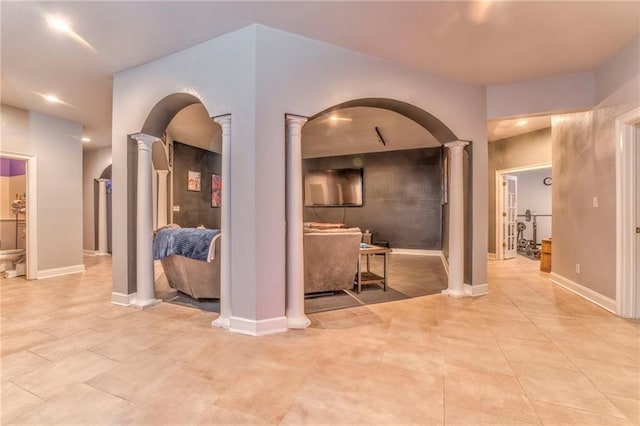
(501,129)
(482,42)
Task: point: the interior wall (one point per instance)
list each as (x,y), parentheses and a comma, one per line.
(57,145)
(535,196)
(519,151)
(304,76)
(94,161)
(584,167)
(258,74)
(397,184)
(10,186)
(195,207)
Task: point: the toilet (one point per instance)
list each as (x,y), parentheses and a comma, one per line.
(8,259)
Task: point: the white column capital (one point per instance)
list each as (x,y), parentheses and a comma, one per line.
(162,172)
(224,121)
(295,122)
(456,144)
(144,141)
(102,181)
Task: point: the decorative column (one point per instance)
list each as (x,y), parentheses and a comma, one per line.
(103,249)
(162,197)
(294,214)
(225,224)
(456,220)
(144,227)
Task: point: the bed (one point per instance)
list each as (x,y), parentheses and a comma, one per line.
(190,259)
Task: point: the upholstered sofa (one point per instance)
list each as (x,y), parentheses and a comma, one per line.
(330,258)
(198,279)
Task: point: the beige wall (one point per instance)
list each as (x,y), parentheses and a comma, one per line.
(519,151)
(584,167)
(57,147)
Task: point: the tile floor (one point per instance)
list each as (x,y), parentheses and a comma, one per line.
(527,353)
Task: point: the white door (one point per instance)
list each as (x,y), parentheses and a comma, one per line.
(509,217)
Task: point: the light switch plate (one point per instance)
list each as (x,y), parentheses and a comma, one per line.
(176,208)
(595,201)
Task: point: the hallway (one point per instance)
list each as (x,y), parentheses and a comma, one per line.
(529,352)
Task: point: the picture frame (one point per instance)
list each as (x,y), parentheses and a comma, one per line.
(216,190)
(193,181)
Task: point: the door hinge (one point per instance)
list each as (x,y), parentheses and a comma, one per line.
(504,214)
(504,183)
(504,245)
(637,229)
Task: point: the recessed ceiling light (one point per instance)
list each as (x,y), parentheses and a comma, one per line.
(522,122)
(59,25)
(86,139)
(52,98)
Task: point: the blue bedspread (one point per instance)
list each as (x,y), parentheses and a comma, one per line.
(193,243)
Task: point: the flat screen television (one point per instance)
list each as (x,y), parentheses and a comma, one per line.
(333,188)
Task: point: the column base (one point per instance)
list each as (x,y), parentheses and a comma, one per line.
(146,303)
(300,322)
(99,253)
(453,293)
(220,322)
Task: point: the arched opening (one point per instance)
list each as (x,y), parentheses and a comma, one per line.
(177,157)
(347,136)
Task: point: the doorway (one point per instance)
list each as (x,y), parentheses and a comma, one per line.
(525,191)
(628,214)
(24,222)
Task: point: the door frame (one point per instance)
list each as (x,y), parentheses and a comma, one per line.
(499,204)
(627,143)
(32,211)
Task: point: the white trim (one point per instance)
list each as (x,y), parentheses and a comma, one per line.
(476,290)
(626,282)
(55,272)
(491,256)
(499,205)
(258,327)
(122,299)
(89,252)
(445,263)
(32,211)
(587,293)
(416,252)
(220,322)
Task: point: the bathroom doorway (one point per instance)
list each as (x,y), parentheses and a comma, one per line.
(18,251)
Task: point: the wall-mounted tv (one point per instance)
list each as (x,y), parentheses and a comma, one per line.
(333,188)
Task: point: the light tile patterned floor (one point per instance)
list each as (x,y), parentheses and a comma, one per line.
(527,353)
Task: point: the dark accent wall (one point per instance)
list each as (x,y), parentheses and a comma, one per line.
(195,207)
(402,197)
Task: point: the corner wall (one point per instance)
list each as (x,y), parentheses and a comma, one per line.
(57,145)
(584,167)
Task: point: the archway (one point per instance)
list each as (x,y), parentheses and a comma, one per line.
(455,211)
(153,152)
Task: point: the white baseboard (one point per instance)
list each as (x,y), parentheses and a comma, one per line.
(417,252)
(89,252)
(587,293)
(476,290)
(491,256)
(259,327)
(122,299)
(55,272)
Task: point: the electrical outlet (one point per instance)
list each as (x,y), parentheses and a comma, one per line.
(176,208)
(577,268)
(595,202)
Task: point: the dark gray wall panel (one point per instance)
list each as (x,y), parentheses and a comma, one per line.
(195,207)
(402,197)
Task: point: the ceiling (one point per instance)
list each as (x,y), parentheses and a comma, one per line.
(484,42)
(502,129)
